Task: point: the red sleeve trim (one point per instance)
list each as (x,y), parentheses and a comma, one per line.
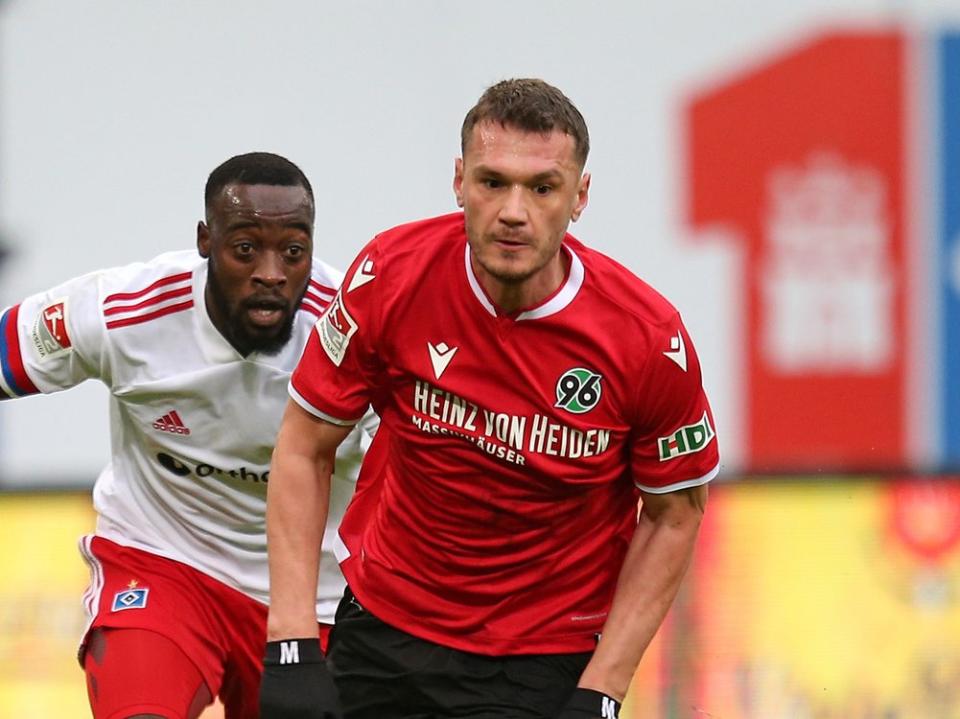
(323,289)
(156,299)
(139,319)
(140,293)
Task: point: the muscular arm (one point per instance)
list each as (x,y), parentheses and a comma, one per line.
(297,499)
(655,563)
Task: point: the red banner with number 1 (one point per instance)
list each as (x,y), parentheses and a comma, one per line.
(803,160)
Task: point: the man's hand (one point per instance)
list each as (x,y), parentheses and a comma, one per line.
(590,704)
(295,682)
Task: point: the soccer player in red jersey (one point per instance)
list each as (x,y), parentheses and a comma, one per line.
(532,390)
(196,347)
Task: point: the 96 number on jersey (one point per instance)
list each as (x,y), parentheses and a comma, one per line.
(578,390)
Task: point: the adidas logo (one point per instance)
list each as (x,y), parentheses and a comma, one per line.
(171,422)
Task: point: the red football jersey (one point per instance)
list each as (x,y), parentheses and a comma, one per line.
(511,446)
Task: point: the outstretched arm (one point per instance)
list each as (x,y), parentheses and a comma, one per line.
(297,500)
(655,563)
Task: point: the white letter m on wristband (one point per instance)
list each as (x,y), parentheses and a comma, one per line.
(290,653)
(609,708)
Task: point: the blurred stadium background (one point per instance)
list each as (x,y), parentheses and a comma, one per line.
(788,173)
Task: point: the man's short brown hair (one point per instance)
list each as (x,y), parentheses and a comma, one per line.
(530,105)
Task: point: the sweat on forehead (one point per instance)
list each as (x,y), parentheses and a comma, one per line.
(265,201)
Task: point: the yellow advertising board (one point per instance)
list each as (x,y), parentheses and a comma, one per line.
(41,617)
(821,599)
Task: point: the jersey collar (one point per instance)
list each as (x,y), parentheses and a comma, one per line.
(558,301)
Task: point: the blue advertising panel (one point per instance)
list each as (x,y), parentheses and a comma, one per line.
(949,242)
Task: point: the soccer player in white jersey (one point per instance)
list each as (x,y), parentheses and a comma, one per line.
(196,348)
(531,390)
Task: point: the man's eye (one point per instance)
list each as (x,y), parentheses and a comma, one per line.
(492,184)
(295,251)
(243,248)
(543,189)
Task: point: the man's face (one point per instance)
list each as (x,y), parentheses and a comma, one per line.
(519,191)
(259,240)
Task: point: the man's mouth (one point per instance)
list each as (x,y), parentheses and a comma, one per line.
(265,313)
(509,242)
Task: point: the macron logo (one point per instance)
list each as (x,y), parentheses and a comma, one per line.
(363,275)
(171,422)
(440,357)
(290,652)
(678,351)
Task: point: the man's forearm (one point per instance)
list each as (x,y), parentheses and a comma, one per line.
(297,501)
(654,566)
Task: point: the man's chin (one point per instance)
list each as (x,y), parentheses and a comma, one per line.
(268,340)
(270,346)
(509,273)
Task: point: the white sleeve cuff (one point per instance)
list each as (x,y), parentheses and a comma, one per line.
(302,401)
(686,484)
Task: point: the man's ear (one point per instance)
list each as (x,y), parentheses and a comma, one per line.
(458,180)
(203,239)
(583,195)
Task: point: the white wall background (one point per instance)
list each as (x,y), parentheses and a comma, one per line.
(113,112)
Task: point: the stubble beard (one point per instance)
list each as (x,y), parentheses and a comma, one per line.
(239,334)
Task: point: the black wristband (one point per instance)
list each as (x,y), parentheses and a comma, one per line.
(590,704)
(295,683)
(293,651)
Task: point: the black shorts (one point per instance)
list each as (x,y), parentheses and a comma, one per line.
(384,673)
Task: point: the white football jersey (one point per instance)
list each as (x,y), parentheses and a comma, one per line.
(192,422)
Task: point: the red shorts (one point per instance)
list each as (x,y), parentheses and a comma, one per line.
(217,629)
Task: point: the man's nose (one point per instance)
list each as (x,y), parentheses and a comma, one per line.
(514,208)
(269,270)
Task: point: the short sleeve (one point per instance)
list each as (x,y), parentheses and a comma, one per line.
(53,340)
(334,377)
(674,444)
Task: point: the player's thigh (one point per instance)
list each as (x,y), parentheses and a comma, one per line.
(471,686)
(537,685)
(139,673)
(133,589)
(243,661)
(373,665)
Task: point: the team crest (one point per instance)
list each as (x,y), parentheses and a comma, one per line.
(335,328)
(50,336)
(130,598)
(578,390)
(686,440)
